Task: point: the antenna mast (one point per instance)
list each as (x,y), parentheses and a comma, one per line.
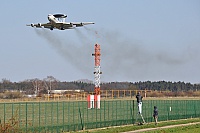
(97,70)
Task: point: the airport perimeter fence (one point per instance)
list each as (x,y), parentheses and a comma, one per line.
(74,116)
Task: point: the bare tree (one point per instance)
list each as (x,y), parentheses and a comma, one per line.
(50,83)
(37,85)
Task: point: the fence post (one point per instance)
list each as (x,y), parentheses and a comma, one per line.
(127,109)
(115,109)
(63,108)
(68,115)
(100,117)
(185,102)
(195,109)
(151,113)
(12,112)
(26,116)
(4,113)
(73,115)
(167,112)
(146,114)
(39,117)
(45,114)
(57,117)
(19,114)
(32,115)
(186,109)
(82,127)
(51,114)
(104,110)
(132,111)
(108,110)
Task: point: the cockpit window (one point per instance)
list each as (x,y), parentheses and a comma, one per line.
(60,19)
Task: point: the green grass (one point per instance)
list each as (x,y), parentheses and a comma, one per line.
(189,129)
(184,129)
(73,116)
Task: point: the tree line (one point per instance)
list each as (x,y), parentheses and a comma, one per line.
(45,85)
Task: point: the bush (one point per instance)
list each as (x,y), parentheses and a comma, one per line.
(11,126)
(169,94)
(180,94)
(11,95)
(155,94)
(174,94)
(196,93)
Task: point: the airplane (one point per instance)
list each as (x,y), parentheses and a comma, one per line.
(57,21)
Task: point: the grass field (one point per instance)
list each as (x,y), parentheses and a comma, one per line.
(85,99)
(74,115)
(183,129)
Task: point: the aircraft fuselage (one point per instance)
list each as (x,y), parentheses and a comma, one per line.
(57,21)
(57,24)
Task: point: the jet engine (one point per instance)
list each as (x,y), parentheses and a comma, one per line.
(39,25)
(61,28)
(32,25)
(71,24)
(51,28)
(79,25)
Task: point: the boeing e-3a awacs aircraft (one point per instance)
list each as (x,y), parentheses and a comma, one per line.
(58,21)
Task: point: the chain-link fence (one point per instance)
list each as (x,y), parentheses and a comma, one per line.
(73,116)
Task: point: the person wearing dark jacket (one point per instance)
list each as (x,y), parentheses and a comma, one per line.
(155,115)
(139,101)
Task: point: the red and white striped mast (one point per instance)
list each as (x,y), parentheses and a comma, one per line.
(94,100)
(97,70)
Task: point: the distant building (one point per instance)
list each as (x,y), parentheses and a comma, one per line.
(63,91)
(15,91)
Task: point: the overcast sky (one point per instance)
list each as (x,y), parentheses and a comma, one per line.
(140,40)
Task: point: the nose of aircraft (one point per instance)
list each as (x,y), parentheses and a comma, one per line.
(49,16)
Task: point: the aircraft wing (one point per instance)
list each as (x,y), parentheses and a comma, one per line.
(60,25)
(78,24)
(71,25)
(39,25)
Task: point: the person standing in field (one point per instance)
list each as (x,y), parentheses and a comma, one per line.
(139,101)
(155,115)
